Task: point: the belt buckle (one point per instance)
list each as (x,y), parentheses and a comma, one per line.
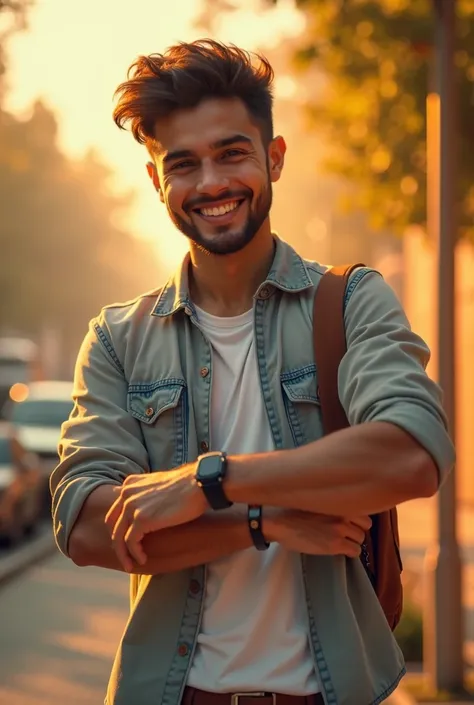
(235,698)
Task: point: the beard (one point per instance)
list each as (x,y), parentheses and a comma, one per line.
(228,239)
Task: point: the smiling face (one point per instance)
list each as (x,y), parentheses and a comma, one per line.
(215,175)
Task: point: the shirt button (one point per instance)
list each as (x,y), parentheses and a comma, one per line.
(204,446)
(265,292)
(204,371)
(150,411)
(182,650)
(194,587)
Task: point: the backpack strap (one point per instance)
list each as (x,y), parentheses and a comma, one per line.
(330,342)
(380,551)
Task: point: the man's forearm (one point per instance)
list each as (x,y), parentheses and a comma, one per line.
(360,470)
(207,539)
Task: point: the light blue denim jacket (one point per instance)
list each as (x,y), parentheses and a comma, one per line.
(141,404)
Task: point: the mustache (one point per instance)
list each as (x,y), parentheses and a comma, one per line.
(204,201)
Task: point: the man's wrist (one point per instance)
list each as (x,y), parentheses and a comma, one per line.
(271,523)
(188,473)
(250,478)
(255,524)
(210,474)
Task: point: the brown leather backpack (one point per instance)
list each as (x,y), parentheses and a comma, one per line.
(381,549)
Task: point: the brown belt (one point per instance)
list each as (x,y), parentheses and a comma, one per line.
(193,696)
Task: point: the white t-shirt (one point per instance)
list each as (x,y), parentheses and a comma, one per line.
(254,630)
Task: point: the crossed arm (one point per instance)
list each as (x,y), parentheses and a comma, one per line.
(168,550)
(160,525)
(396,449)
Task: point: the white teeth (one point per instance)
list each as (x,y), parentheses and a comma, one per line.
(220,210)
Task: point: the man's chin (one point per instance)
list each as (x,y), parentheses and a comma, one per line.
(223,243)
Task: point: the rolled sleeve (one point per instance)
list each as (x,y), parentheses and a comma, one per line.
(101,443)
(383,375)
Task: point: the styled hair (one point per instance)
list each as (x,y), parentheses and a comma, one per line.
(186,74)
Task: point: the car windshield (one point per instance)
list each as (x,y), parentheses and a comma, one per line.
(41,412)
(5,454)
(12,371)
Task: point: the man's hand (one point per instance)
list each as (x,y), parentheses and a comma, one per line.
(150,502)
(316,534)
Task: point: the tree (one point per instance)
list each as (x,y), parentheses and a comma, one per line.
(63,255)
(64,252)
(12,19)
(375,57)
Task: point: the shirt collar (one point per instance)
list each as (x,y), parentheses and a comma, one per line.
(288,273)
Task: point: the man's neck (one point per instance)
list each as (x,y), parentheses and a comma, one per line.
(224,285)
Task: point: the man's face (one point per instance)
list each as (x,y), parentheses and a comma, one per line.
(215,174)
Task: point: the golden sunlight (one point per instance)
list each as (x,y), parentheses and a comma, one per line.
(74,56)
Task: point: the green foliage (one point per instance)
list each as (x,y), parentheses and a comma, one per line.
(376,56)
(409,633)
(63,256)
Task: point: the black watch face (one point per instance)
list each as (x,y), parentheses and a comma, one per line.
(210,468)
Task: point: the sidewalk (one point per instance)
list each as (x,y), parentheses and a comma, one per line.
(417,521)
(30,552)
(401,697)
(417,524)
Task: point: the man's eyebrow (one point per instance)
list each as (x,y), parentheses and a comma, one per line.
(178,154)
(225,142)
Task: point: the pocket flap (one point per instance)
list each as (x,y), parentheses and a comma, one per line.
(147,401)
(301,386)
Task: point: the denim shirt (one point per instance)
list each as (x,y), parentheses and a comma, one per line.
(142,402)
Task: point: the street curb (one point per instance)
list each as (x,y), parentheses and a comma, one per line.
(33,551)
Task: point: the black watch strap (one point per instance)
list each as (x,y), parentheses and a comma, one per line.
(210,475)
(255,527)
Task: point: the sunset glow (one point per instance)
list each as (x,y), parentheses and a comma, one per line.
(74,56)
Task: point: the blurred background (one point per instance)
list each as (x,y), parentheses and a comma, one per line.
(80,227)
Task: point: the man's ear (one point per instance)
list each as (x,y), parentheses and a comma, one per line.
(153,174)
(276,157)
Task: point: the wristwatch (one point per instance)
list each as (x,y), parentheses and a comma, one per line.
(254,517)
(210,474)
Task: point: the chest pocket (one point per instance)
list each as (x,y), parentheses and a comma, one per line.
(162,409)
(302,405)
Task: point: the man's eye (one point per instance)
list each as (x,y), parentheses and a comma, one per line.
(182,165)
(233,153)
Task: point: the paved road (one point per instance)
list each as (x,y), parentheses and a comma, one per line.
(59,628)
(417,529)
(59,624)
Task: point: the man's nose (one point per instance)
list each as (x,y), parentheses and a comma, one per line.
(212,180)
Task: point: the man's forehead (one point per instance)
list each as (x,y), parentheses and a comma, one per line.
(205,125)
(204,142)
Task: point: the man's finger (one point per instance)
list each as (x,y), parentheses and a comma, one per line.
(355,533)
(133,542)
(351,549)
(365,522)
(114,513)
(118,540)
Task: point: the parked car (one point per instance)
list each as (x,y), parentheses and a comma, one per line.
(38,419)
(20,487)
(19,365)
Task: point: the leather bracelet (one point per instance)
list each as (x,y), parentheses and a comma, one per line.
(255,526)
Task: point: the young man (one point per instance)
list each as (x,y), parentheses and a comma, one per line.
(201,398)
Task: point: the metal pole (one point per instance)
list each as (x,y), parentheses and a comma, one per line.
(443,616)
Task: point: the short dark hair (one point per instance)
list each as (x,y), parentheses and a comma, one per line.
(188,73)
